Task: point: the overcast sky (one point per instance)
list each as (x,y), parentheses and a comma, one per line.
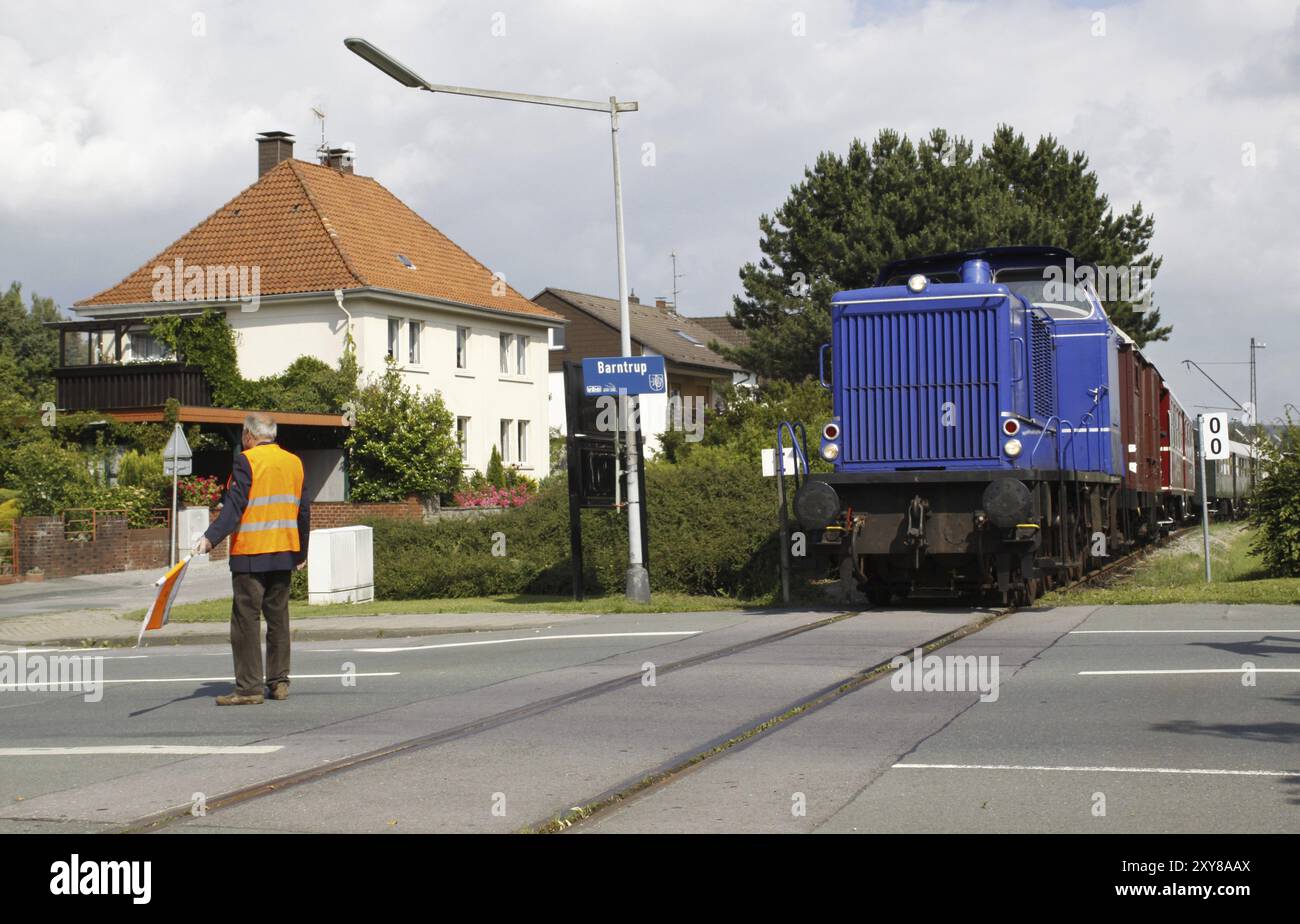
(123,127)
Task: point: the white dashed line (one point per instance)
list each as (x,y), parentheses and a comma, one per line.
(33,687)
(154,749)
(1202,670)
(1192,772)
(534,638)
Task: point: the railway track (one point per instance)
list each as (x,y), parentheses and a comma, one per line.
(652,779)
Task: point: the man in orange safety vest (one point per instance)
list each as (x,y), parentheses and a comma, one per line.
(268,521)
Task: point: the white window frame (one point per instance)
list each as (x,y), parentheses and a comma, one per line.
(521,354)
(505,340)
(507,429)
(414,334)
(394,340)
(462,347)
(522,442)
(462,437)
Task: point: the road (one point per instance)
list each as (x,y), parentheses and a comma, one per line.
(116,592)
(1110,719)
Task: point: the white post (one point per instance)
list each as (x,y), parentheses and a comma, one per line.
(638,580)
(175,463)
(1205,496)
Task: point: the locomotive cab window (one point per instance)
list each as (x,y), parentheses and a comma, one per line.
(1064,301)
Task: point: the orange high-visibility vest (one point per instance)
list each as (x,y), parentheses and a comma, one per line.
(270,520)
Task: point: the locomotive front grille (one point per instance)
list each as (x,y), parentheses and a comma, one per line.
(919,387)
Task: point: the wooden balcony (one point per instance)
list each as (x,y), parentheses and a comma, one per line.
(108,386)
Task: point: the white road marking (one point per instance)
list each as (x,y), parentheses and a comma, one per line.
(40,651)
(1183,631)
(534,638)
(1192,772)
(19,687)
(1203,670)
(155,749)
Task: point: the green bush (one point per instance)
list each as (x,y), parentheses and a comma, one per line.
(50,477)
(712,527)
(141,504)
(1275,507)
(402,443)
(496,475)
(143,470)
(747,422)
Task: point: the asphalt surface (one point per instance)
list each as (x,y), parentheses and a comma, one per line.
(117,592)
(524,737)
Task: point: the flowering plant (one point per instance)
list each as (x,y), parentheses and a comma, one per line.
(199,491)
(492,496)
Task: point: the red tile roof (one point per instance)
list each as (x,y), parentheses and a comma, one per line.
(311,228)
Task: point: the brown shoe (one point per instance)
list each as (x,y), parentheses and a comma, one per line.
(240,699)
(280,691)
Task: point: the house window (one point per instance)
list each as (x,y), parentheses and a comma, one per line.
(521,354)
(394,335)
(462,437)
(413,331)
(505,439)
(505,352)
(522,455)
(462,348)
(147,348)
(555,338)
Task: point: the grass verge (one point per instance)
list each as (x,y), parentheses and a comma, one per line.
(1176,574)
(219,610)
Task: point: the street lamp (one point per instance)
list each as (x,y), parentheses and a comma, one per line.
(638,580)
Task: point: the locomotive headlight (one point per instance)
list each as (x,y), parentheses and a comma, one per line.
(917,283)
(830,452)
(1011,448)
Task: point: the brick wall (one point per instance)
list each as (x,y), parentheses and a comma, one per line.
(43,544)
(332,514)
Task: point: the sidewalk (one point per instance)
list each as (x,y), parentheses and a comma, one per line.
(118,592)
(87,628)
(85,611)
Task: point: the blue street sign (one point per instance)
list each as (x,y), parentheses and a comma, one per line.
(631,375)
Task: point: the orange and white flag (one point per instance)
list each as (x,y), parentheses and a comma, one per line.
(161,610)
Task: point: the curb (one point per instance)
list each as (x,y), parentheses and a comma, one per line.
(297,635)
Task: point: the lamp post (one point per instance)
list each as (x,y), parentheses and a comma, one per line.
(1254,407)
(638,579)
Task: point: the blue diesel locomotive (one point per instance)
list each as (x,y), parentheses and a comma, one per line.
(976,437)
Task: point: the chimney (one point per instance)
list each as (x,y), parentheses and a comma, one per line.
(339,159)
(633,298)
(273,147)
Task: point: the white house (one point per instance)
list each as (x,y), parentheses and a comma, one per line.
(310,252)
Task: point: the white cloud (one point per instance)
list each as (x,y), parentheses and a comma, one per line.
(123,129)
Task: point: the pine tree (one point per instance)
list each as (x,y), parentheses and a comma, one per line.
(853,214)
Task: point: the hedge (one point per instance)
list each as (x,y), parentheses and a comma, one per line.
(712,525)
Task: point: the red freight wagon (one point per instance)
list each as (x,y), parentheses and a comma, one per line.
(1140,386)
(1177,480)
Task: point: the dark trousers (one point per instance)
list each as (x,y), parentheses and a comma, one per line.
(264,593)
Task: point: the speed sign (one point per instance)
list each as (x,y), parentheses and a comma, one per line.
(1214,436)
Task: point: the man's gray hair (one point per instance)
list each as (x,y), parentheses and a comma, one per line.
(261,426)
